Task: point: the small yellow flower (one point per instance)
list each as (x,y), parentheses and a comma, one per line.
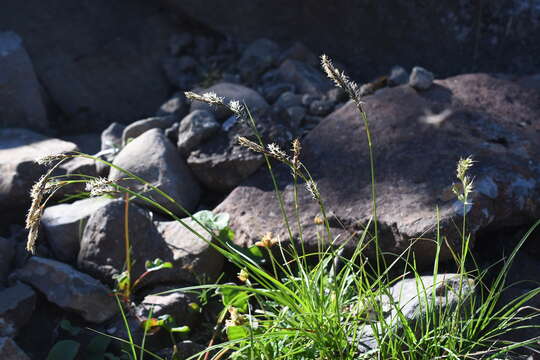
(236,319)
(243,275)
(267,241)
(318,220)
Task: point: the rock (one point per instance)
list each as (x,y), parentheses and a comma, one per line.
(193,258)
(179,71)
(76,166)
(111,137)
(88,143)
(300,52)
(176,105)
(172,132)
(7,253)
(102,247)
(194,129)
(68,288)
(176,304)
(295,115)
(203,46)
(16,307)
(337,95)
(19,148)
(140,127)
(415,166)
(398,76)
(162,167)
(21,104)
(258,57)
(304,77)
(63,225)
(96,73)
(9,350)
(286,100)
(229,92)
(531,81)
(420,78)
(179,42)
(321,107)
(272,92)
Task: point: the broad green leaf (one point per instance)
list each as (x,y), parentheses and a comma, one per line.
(180,329)
(64,350)
(235,298)
(237,332)
(70,328)
(96,348)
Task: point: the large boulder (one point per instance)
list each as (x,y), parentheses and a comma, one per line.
(418,139)
(154,158)
(20,94)
(69,288)
(369,36)
(95,73)
(19,149)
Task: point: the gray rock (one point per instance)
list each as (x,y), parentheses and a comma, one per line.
(88,143)
(286,100)
(228,91)
(16,307)
(203,46)
(179,71)
(274,91)
(176,105)
(295,116)
(321,107)
(141,126)
(172,132)
(111,137)
(337,95)
(258,57)
(76,166)
(19,148)
(21,104)
(300,52)
(398,76)
(162,167)
(194,259)
(420,78)
(102,247)
(179,42)
(7,253)
(9,350)
(63,225)
(194,129)
(304,77)
(484,111)
(69,289)
(177,304)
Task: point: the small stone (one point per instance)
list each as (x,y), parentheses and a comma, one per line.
(111,137)
(272,92)
(295,115)
(257,58)
(286,100)
(194,129)
(180,42)
(69,288)
(176,105)
(420,78)
(177,304)
(17,303)
(321,107)
(336,95)
(367,89)
(398,76)
(307,99)
(304,77)
(140,127)
(9,350)
(300,52)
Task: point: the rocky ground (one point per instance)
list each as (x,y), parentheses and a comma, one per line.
(421,126)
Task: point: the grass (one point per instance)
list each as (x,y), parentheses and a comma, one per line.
(292,304)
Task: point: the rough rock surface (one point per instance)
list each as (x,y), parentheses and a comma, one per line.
(152,157)
(257,58)
(416,153)
(305,78)
(63,225)
(68,288)
(420,79)
(7,252)
(9,350)
(198,126)
(176,304)
(19,148)
(16,307)
(21,104)
(141,126)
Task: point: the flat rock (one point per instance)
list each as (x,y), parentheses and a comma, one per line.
(258,57)
(176,304)
(141,126)
(198,126)
(492,119)
(17,303)
(19,149)
(63,225)
(152,157)
(21,104)
(69,288)
(177,105)
(9,350)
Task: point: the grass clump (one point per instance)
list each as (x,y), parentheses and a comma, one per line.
(288,303)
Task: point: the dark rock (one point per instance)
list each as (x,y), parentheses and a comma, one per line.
(179,71)
(420,78)
(307,99)
(9,350)
(162,167)
(7,253)
(321,107)
(415,163)
(102,247)
(19,149)
(337,95)
(177,304)
(194,129)
(230,92)
(274,91)
(177,105)
(88,143)
(140,127)
(68,288)
(16,307)
(21,104)
(76,166)
(300,52)
(286,100)
(172,132)
(258,57)
(304,77)
(203,46)
(63,225)
(398,76)
(179,42)
(295,115)
(96,73)
(111,137)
